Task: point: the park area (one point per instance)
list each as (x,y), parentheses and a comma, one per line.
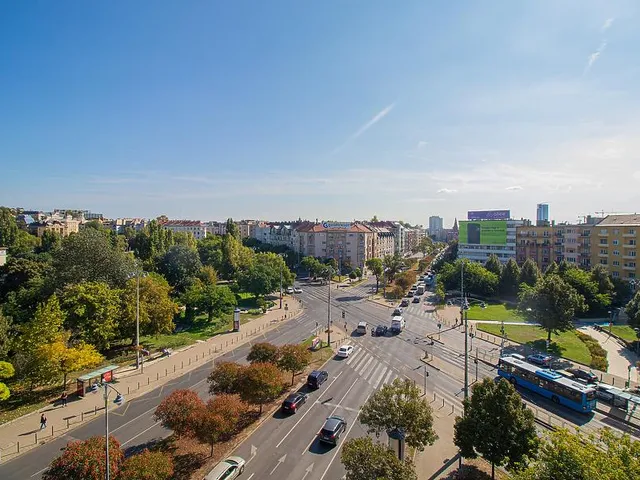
(499,312)
(623,331)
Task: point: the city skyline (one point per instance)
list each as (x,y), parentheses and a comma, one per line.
(321,111)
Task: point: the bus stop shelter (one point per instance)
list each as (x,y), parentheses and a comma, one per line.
(85,382)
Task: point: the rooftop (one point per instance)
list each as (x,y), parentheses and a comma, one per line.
(632,220)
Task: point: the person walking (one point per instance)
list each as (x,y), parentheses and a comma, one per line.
(43,421)
(63,399)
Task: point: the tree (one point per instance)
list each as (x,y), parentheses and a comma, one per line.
(219,419)
(6,371)
(425,246)
(178,410)
(50,241)
(600,275)
(392,264)
(147,465)
(509,278)
(552,269)
(8,227)
(179,265)
(632,310)
(375,267)
(566,455)
(365,460)
(215,300)
(89,256)
(263,352)
(529,273)
(157,309)
(93,310)
(225,378)
(293,358)
(400,405)
(552,303)
(493,264)
(477,279)
(210,251)
(622,292)
(352,275)
(358,272)
(5,338)
(232,229)
(586,286)
(374,219)
(311,265)
(261,383)
(208,275)
(85,460)
(496,425)
(151,242)
(263,276)
(63,357)
(405,279)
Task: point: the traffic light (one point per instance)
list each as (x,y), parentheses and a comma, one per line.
(343,314)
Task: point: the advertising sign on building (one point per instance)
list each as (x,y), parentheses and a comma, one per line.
(489,214)
(337,225)
(486,232)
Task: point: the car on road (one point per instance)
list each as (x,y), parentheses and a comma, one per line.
(317,378)
(539,359)
(297,290)
(228,469)
(416,299)
(379,331)
(289,290)
(404,302)
(293,402)
(333,427)
(588,376)
(345,350)
(410,293)
(414,287)
(397,311)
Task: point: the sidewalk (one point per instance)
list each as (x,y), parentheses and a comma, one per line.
(22,434)
(620,358)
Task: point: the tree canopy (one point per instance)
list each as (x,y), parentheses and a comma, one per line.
(180,265)
(263,275)
(365,460)
(375,266)
(529,273)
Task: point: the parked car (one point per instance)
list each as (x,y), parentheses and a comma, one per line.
(416,299)
(539,359)
(414,287)
(379,331)
(293,402)
(289,290)
(317,378)
(410,293)
(333,427)
(297,290)
(588,376)
(404,302)
(397,311)
(345,350)
(228,469)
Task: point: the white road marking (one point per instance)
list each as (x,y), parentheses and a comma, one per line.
(387,378)
(363,366)
(379,379)
(144,431)
(352,356)
(367,370)
(375,372)
(250,476)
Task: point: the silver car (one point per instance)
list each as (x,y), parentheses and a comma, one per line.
(228,469)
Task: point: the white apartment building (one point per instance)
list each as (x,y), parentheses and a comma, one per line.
(479,252)
(194,227)
(3,255)
(216,228)
(276,234)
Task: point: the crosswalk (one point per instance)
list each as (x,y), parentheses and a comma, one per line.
(371,368)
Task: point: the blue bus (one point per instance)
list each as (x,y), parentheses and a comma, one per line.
(549,384)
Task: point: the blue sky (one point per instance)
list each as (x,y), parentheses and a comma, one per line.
(329,110)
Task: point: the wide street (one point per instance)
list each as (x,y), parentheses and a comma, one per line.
(286,446)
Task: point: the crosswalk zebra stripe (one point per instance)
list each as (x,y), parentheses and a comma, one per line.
(359,361)
(387,377)
(363,366)
(369,369)
(352,356)
(379,378)
(374,372)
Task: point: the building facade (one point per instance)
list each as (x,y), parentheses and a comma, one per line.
(614,245)
(3,256)
(480,251)
(194,227)
(413,236)
(542,214)
(535,243)
(383,241)
(436,228)
(63,228)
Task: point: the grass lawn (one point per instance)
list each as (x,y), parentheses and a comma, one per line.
(498,312)
(623,331)
(320,356)
(566,345)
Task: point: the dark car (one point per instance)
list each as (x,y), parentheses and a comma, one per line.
(317,378)
(293,402)
(416,299)
(410,293)
(404,302)
(332,429)
(379,331)
(589,377)
(539,359)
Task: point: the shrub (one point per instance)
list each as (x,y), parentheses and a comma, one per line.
(255,311)
(598,354)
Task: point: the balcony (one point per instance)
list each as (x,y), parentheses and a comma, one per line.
(626,267)
(628,245)
(629,257)
(603,255)
(603,234)
(604,245)
(629,235)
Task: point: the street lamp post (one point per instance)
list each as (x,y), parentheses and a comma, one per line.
(329,309)
(280,286)
(137,319)
(464,318)
(119,400)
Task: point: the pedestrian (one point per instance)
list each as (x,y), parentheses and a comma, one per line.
(43,421)
(63,398)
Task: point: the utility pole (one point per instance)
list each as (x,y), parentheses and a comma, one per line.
(463,318)
(280,286)
(137,319)
(329,310)
(107,473)
(426,375)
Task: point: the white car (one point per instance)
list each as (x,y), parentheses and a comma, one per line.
(345,350)
(297,290)
(228,469)
(289,290)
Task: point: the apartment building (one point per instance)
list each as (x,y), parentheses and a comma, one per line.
(246,228)
(436,229)
(348,243)
(383,241)
(63,227)
(3,256)
(399,234)
(535,243)
(615,245)
(413,236)
(195,227)
(479,239)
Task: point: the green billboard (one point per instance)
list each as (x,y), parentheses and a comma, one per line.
(483,232)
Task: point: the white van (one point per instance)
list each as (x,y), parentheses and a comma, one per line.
(397,324)
(362,328)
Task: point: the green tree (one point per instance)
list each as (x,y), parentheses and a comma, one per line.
(392,264)
(425,246)
(496,425)
(263,276)
(586,286)
(157,309)
(405,279)
(8,227)
(208,275)
(225,378)
(93,312)
(358,272)
(178,410)
(477,279)
(400,405)
(232,229)
(185,239)
(88,256)
(5,335)
(563,266)
(493,265)
(260,383)
(552,303)
(365,460)
(6,371)
(375,267)
(215,300)
(600,275)
(85,460)
(210,251)
(50,241)
(352,275)
(529,273)
(219,419)
(293,358)
(566,455)
(24,244)
(180,265)
(552,269)
(151,242)
(509,279)
(147,465)
(633,310)
(311,265)
(263,352)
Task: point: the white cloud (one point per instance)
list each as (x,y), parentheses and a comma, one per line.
(375,119)
(514,187)
(594,57)
(607,24)
(446,190)
(422,144)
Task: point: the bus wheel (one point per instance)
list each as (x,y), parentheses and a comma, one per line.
(555,399)
(513,381)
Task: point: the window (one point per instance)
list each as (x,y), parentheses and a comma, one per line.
(632,242)
(603,251)
(616,252)
(616,231)
(632,231)
(603,241)
(632,275)
(632,253)
(603,261)
(616,242)
(615,274)
(603,231)
(616,263)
